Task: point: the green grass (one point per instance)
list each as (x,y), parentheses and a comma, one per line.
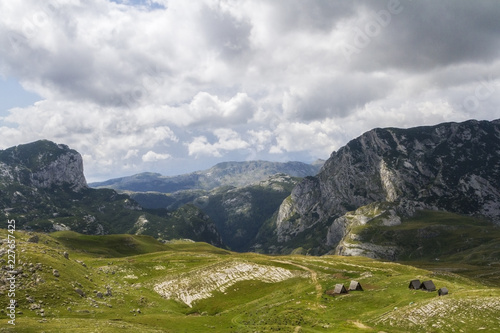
(109,245)
(442,235)
(132,265)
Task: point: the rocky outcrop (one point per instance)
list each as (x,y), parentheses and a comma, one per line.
(204,282)
(342,235)
(42,164)
(452,166)
(67,169)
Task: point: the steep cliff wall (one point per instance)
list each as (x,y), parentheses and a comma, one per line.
(451,166)
(43,164)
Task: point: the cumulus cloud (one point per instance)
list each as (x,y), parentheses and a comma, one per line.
(151,156)
(317,137)
(128,83)
(227,140)
(210,111)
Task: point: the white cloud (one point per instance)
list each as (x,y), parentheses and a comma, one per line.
(131,153)
(319,138)
(151,156)
(228,140)
(260,139)
(200,146)
(209,110)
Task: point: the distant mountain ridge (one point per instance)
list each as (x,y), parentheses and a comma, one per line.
(235,174)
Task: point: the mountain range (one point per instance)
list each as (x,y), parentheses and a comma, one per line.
(236,174)
(383,179)
(374,185)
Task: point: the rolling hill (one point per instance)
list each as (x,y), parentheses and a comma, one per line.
(66,282)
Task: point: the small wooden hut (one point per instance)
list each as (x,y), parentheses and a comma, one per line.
(443,291)
(339,289)
(355,285)
(414,284)
(428,286)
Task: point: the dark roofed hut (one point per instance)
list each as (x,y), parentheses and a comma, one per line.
(414,284)
(355,285)
(443,291)
(339,289)
(428,286)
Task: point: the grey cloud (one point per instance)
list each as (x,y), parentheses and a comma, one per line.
(315,15)
(335,97)
(224,32)
(427,34)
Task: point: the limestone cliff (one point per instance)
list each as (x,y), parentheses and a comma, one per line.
(452,167)
(43,164)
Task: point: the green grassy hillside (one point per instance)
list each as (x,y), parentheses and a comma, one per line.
(134,283)
(441,240)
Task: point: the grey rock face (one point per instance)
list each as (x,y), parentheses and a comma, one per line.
(451,166)
(42,164)
(67,169)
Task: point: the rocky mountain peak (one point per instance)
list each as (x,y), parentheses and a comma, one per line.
(451,166)
(42,164)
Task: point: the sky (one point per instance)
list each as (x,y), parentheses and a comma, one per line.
(175,86)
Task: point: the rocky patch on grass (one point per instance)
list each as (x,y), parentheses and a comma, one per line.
(446,314)
(201,283)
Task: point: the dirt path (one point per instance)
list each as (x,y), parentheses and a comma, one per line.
(314,276)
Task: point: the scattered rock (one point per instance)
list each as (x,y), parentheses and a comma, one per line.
(99,295)
(33,239)
(66,255)
(108,291)
(81,263)
(34,306)
(55,272)
(80,292)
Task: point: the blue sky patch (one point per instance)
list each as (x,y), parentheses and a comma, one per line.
(151,5)
(12,95)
